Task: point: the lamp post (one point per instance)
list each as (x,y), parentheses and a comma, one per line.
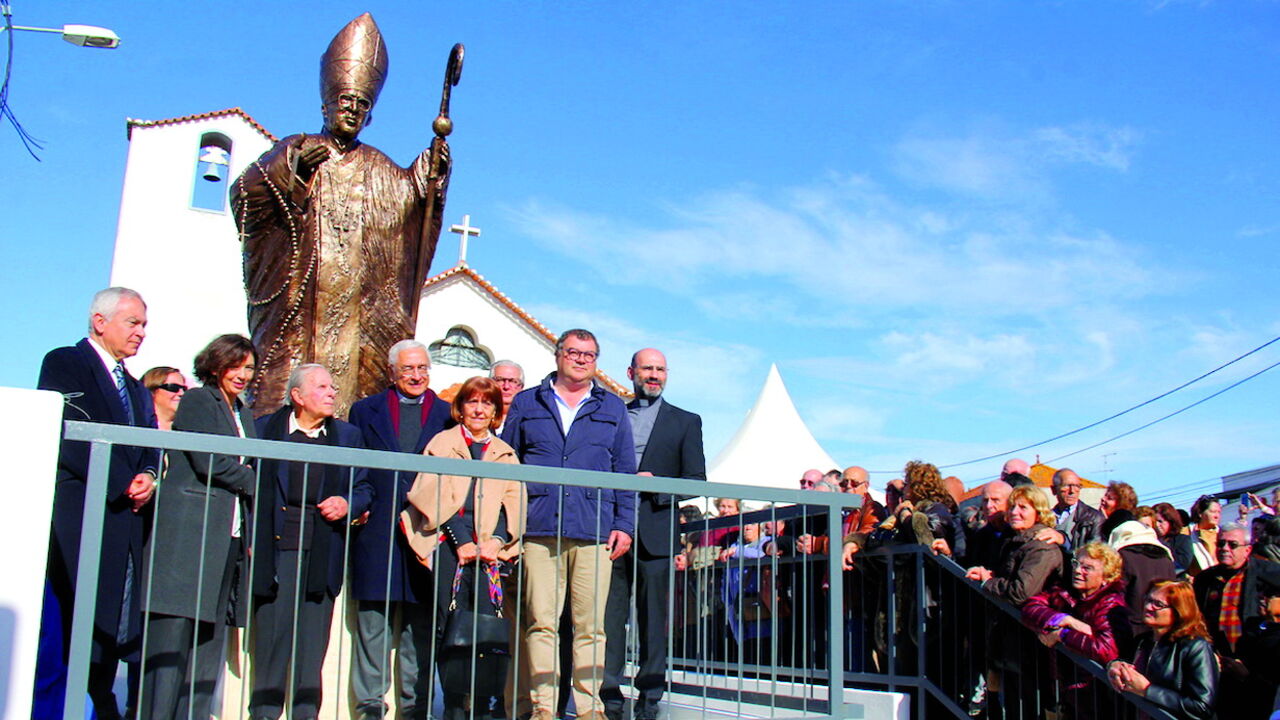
(79,35)
(90,36)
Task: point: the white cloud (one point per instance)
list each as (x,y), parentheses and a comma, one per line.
(1088,143)
(1254,230)
(845,243)
(1010,166)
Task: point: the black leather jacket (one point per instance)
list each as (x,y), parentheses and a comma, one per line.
(1183,675)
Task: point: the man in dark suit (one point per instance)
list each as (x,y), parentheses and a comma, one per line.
(298,539)
(668,443)
(404,418)
(1078,522)
(92,378)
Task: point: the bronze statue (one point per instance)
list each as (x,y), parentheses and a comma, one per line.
(337,238)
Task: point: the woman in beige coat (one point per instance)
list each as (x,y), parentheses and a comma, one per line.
(452,521)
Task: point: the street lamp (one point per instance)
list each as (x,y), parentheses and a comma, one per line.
(79,35)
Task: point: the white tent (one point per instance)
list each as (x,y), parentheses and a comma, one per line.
(773,447)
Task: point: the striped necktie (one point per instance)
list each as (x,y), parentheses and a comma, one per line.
(124,392)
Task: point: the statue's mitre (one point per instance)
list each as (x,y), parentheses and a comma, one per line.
(356,60)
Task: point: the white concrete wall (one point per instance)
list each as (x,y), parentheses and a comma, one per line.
(457,301)
(186,262)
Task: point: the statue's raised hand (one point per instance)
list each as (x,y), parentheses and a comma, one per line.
(309,159)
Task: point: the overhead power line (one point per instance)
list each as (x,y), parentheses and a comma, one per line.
(1179,411)
(1122,413)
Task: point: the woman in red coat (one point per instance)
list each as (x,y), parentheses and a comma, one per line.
(1084,618)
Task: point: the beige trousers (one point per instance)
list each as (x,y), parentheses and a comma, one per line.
(551,565)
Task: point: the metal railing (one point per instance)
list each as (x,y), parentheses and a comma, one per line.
(745,635)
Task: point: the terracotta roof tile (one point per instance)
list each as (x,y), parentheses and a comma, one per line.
(132,123)
(531,321)
(1041,475)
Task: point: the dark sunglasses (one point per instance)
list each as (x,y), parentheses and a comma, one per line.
(1233,544)
(172,387)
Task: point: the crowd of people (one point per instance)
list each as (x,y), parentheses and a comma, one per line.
(1181,610)
(453,577)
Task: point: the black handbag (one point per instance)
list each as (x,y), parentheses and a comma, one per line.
(476,647)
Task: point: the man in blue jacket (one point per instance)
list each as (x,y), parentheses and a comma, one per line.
(573,534)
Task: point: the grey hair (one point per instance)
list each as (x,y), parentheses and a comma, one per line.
(506,363)
(1058,476)
(393,355)
(296,376)
(106,302)
(1232,527)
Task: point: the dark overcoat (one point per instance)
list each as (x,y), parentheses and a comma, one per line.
(90,395)
(194,511)
(378,546)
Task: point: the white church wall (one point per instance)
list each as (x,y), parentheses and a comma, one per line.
(458,301)
(185,261)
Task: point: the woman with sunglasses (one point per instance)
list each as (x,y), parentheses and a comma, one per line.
(167,387)
(1174,666)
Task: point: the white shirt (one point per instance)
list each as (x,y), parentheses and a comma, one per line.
(567,414)
(107,361)
(313,433)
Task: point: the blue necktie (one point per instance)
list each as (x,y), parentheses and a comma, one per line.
(124,392)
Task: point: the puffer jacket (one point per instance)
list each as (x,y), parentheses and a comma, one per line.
(1104,611)
(1027,566)
(1183,675)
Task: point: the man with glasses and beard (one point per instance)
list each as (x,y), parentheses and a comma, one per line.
(668,443)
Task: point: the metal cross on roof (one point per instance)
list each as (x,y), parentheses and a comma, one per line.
(465,230)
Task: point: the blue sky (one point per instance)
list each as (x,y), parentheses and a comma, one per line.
(958,228)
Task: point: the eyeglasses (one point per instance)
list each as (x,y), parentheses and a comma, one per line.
(509,381)
(411,370)
(586,356)
(1070,486)
(1157,605)
(1233,544)
(172,387)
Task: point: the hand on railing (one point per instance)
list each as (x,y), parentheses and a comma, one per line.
(978,574)
(1126,678)
(940,547)
(140,489)
(1049,639)
(805,544)
(850,549)
(681,561)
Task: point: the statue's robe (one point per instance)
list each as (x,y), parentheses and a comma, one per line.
(334,267)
